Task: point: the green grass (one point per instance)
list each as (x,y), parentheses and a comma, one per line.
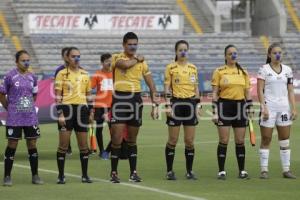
(151,167)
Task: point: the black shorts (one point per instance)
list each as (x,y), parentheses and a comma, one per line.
(77,118)
(99,115)
(15,132)
(127,107)
(184,112)
(232,113)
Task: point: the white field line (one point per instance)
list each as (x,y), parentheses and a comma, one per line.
(163,145)
(140,187)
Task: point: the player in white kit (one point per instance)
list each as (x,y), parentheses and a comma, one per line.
(278,108)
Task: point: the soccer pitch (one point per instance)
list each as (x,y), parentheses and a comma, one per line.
(151,167)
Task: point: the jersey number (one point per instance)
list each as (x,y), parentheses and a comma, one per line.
(284,118)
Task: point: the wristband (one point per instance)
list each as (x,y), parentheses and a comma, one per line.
(168,95)
(214,105)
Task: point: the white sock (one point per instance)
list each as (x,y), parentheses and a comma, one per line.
(285,156)
(264,159)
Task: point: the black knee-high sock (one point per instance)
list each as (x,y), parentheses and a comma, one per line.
(33,159)
(170,154)
(84,159)
(240,155)
(8,160)
(132,156)
(108,147)
(99,137)
(221,153)
(189,158)
(61,157)
(115,153)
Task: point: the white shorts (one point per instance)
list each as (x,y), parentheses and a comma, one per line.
(277,118)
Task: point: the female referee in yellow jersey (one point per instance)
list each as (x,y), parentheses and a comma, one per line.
(182,97)
(231,100)
(72,90)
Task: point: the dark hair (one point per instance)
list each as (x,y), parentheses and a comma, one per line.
(105,57)
(178,43)
(271,47)
(239,67)
(63,51)
(129,36)
(19,53)
(70,49)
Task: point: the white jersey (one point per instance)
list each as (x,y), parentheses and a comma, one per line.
(276,91)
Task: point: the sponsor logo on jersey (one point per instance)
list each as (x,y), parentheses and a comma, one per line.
(193,78)
(10,131)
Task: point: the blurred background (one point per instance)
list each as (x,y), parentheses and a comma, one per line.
(43,27)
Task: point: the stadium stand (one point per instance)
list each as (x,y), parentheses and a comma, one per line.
(206,51)
(292,46)
(6,60)
(200,17)
(158,51)
(291,27)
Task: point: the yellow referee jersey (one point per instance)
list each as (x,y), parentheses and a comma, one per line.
(231,82)
(128,80)
(181,79)
(74,86)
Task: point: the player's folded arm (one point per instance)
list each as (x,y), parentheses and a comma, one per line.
(126,64)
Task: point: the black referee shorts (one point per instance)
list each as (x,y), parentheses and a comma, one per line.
(232,113)
(76,116)
(184,112)
(99,112)
(127,108)
(15,132)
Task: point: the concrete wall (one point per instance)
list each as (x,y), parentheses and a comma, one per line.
(269,18)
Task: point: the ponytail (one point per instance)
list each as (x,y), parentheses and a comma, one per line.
(268,60)
(240,68)
(176,58)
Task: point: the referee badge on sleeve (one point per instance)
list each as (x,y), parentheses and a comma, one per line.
(193,78)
